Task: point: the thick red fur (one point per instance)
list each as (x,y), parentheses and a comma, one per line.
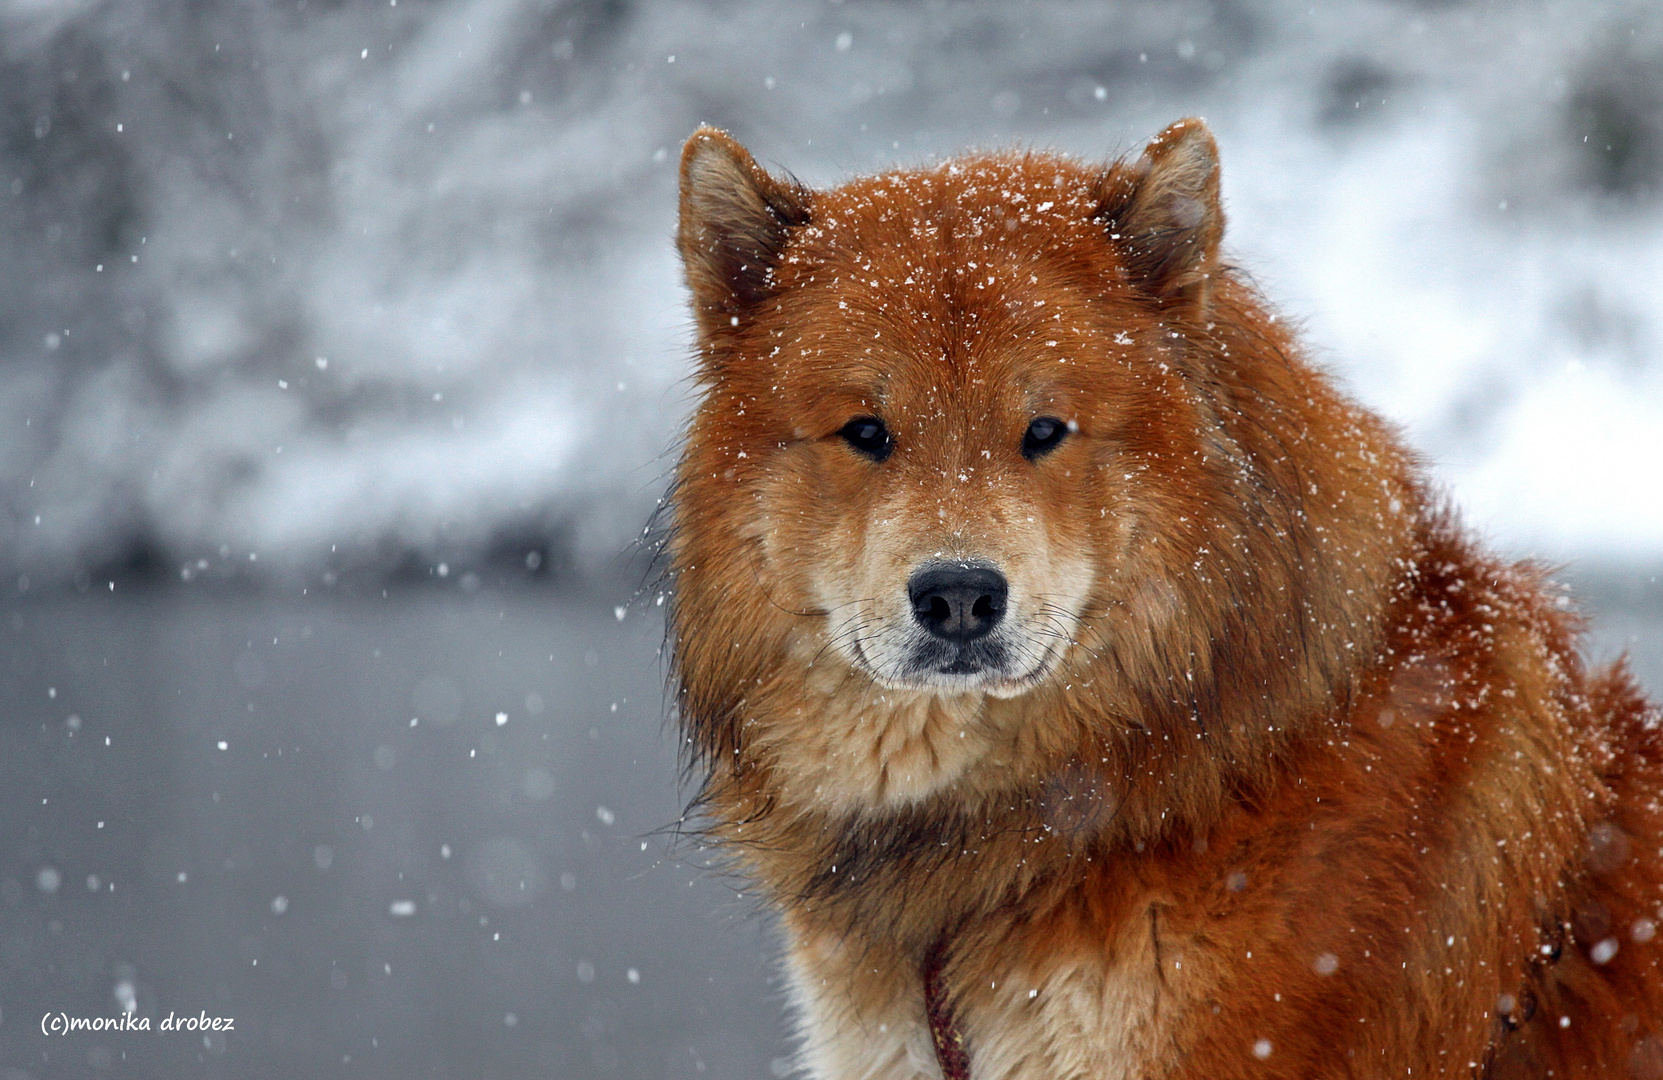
(1286,778)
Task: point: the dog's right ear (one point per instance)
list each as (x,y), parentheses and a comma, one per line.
(735,219)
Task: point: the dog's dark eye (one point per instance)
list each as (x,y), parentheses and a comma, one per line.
(868,436)
(1043,436)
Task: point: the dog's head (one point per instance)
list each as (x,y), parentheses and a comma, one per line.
(930,393)
(994,469)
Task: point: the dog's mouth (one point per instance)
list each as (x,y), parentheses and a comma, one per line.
(942,658)
(989,666)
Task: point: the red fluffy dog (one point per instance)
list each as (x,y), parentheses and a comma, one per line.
(1094,690)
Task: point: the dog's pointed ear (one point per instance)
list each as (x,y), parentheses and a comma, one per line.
(1163,213)
(735,219)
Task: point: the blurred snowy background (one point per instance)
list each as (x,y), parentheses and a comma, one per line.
(356,328)
(349,286)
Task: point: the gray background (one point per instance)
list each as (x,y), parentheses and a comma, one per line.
(341,349)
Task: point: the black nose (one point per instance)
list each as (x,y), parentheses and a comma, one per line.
(958,603)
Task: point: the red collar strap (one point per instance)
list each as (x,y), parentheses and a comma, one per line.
(950,1050)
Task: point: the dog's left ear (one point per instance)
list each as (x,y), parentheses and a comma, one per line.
(735,219)
(1163,213)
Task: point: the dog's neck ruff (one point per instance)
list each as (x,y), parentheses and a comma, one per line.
(950,1050)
